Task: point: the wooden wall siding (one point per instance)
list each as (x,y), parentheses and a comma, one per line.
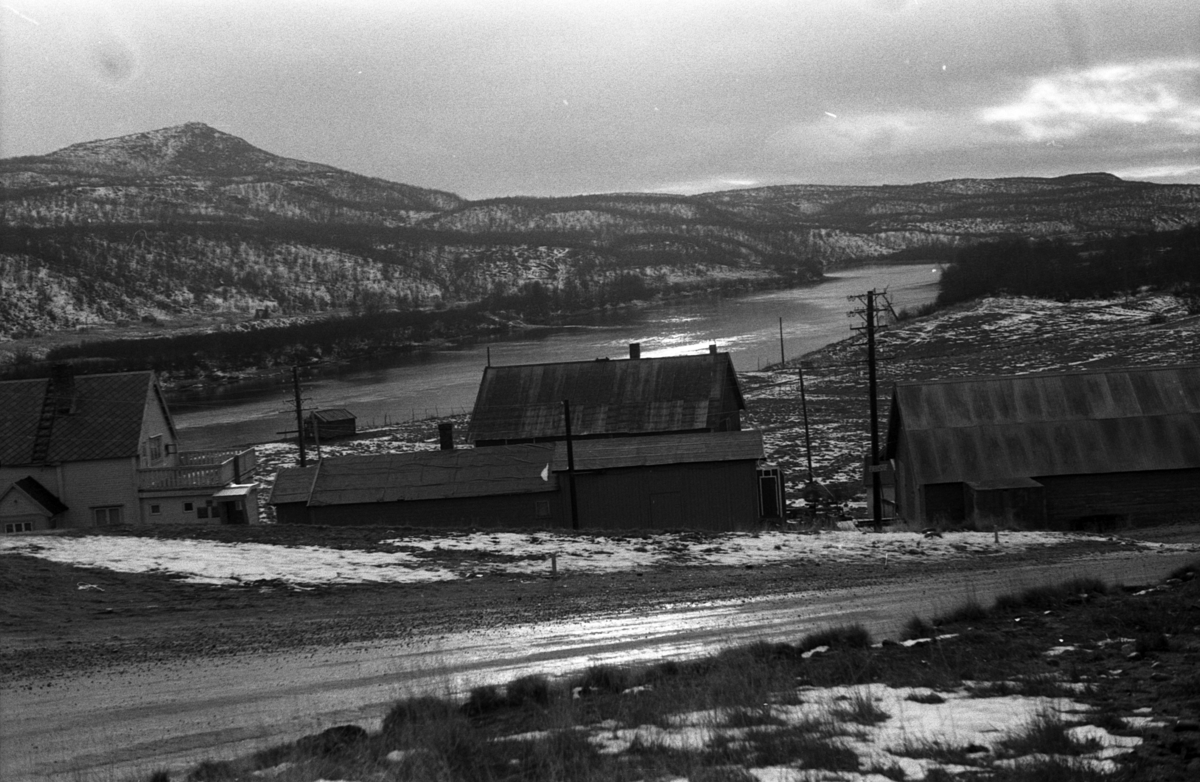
(944,501)
(1021,504)
(718,497)
(501,511)
(1138,496)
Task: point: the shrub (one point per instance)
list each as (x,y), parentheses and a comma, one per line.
(533,689)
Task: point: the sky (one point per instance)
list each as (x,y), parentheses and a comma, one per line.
(489,98)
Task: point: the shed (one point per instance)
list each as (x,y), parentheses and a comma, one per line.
(698,481)
(325,425)
(1100,445)
(638,396)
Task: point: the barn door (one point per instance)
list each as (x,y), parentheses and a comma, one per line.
(666,510)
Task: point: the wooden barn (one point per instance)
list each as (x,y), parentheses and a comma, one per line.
(638,396)
(324,425)
(508,486)
(704,481)
(696,481)
(1067,450)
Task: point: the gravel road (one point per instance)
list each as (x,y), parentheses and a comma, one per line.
(135,686)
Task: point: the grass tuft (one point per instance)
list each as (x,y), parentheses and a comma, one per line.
(853,636)
(918,628)
(971,611)
(1045,734)
(860,708)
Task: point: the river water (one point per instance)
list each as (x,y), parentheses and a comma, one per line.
(444,381)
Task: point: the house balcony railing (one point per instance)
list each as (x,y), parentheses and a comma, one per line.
(200,470)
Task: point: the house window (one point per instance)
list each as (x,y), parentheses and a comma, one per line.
(105,517)
(541,509)
(187,507)
(155,510)
(18,526)
(156,448)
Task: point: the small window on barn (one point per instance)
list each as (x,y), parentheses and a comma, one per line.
(188,507)
(155,510)
(541,509)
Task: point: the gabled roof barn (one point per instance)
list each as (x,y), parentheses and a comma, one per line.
(1107,421)
(626,397)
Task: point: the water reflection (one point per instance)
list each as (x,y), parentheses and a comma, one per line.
(444,381)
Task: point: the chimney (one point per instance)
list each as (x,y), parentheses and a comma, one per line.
(712,349)
(61,388)
(446,435)
(635,350)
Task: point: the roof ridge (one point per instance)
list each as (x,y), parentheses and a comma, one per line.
(1044,374)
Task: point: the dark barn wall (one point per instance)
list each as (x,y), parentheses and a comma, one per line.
(945,501)
(1023,504)
(498,511)
(718,497)
(1090,500)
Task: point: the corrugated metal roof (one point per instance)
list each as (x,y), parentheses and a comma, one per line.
(105,423)
(433,475)
(1038,425)
(672,394)
(695,448)
(292,484)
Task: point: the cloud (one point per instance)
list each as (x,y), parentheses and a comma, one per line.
(854,136)
(1162,96)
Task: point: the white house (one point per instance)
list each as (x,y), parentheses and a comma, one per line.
(102,450)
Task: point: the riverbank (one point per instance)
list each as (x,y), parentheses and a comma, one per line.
(193,352)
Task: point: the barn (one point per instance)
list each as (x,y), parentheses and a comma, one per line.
(507,486)
(1066,450)
(698,481)
(704,481)
(627,398)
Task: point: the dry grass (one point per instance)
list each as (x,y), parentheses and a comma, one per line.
(541,729)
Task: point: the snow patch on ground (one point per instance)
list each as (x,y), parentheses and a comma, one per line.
(466,555)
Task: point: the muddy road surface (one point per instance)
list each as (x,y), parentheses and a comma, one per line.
(127,691)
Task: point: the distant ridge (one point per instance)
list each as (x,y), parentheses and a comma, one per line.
(190,219)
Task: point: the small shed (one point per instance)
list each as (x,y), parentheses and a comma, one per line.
(325,425)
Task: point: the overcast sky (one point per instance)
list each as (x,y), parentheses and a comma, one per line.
(556,97)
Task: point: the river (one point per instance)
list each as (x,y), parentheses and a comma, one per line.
(444,381)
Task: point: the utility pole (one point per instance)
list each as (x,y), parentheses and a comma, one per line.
(299,415)
(781,356)
(871,300)
(876,493)
(571,465)
(804,409)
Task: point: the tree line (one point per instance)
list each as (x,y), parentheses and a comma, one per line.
(1055,269)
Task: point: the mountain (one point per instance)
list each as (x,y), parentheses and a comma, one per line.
(189,219)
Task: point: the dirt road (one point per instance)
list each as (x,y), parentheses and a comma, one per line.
(170,711)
